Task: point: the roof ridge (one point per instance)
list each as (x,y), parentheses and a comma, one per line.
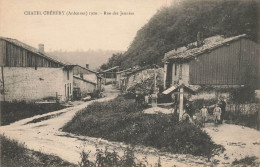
(34,50)
(84,79)
(185,52)
(87,69)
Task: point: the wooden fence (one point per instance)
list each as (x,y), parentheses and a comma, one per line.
(250,108)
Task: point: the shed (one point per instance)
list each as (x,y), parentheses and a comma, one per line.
(29,74)
(232,61)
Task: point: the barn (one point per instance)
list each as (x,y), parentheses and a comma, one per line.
(214,61)
(109,75)
(29,74)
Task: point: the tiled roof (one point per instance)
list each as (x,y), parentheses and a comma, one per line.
(135,70)
(36,51)
(110,69)
(129,69)
(191,50)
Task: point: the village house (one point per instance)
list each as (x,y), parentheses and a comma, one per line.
(109,75)
(85,81)
(29,74)
(214,61)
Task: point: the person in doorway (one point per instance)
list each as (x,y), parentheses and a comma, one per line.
(217,114)
(204,114)
(223,109)
(146,100)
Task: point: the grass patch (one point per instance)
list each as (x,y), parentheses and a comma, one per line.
(122,120)
(14,111)
(16,154)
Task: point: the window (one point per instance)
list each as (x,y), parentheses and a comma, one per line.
(180,71)
(65,89)
(175,69)
(70,88)
(81,75)
(68,74)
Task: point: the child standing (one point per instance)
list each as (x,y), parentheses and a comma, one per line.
(204,114)
(217,114)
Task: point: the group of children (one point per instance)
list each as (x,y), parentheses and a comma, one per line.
(218,112)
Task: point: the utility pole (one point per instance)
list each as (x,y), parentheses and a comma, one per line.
(181,103)
(3,80)
(155,87)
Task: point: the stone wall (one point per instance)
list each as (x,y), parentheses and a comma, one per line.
(143,75)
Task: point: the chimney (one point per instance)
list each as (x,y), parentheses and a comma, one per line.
(87,66)
(199,39)
(41,48)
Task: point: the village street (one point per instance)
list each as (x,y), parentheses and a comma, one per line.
(45,136)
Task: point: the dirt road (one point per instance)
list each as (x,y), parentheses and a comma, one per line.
(238,141)
(42,133)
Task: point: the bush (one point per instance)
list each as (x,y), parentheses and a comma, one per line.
(107,159)
(248,120)
(246,161)
(243,95)
(198,103)
(122,120)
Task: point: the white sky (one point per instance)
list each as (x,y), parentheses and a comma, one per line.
(76,32)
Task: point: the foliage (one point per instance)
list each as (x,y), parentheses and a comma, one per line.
(115,60)
(112,159)
(238,118)
(122,120)
(178,25)
(146,86)
(96,93)
(246,161)
(85,162)
(198,103)
(243,95)
(16,154)
(14,111)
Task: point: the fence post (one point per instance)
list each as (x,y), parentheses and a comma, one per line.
(258,119)
(56,97)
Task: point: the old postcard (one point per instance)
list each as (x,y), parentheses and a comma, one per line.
(129,83)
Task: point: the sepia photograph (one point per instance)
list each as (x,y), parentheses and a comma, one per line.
(129,83)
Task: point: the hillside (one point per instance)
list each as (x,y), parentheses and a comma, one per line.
(177,25)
